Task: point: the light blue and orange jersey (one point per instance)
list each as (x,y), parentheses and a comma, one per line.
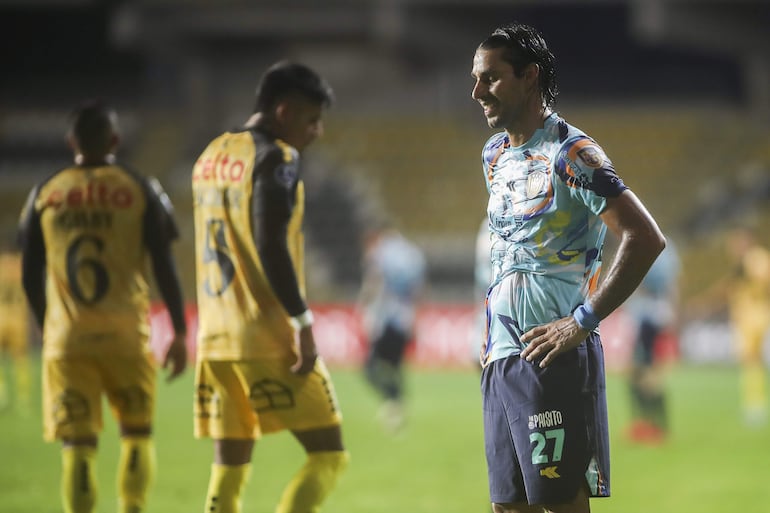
(545,198)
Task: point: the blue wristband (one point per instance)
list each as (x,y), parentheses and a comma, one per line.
(585,317)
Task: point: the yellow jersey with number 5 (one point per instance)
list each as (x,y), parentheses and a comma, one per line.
(92,220)
(240,315)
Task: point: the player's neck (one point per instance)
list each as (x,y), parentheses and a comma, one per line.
(82,159)
(259,121)
(523,130)
(255,120)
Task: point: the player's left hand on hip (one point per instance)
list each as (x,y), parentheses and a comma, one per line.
(176,358)
(546,342)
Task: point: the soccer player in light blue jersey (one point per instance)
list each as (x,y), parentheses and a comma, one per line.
(553,193)
(654,310)
(393,279)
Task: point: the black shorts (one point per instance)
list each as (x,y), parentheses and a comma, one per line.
(545,430)
(644,349)
(390,346)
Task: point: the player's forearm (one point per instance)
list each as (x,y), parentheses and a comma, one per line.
(167,279)
(33,282)
(634,257)
(277,264)
(271,219)
(640,243)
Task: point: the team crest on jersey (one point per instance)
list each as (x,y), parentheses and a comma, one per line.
(286,174)
(592,156)
(536,184)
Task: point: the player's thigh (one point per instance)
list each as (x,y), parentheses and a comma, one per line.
(285,400)
(505,478)
(222,408)
(130,388)
(579,504)
(391,345)
(519,507)
(751,335)
(72,390)
(321,439)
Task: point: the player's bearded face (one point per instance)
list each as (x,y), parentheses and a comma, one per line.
(497,89)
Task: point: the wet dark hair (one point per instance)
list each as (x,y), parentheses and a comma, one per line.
(283,78)
(92,125)
(524,45)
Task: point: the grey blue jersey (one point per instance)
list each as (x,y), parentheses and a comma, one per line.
(545,198)
(654,301)
(400,268)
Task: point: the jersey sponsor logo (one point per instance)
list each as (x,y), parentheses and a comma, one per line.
(269,394)
(92,195)
(545,419)
(550,472)
(221,168)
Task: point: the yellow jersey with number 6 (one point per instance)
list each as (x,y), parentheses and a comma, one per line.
(240,316)
(97,296)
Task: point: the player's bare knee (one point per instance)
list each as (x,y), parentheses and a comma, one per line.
(518,507)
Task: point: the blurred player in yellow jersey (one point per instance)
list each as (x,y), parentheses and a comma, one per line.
(748,296)
(86,233)
(14,335)
(745,288)
(257,370)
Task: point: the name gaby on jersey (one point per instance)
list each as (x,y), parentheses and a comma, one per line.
(220,168)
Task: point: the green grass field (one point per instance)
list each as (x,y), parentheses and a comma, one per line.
(711,464)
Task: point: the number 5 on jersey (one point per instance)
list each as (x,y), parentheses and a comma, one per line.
(217,251)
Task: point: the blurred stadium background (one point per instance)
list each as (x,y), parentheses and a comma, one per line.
(677,92)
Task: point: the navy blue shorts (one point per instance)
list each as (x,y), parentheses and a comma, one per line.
(545,430)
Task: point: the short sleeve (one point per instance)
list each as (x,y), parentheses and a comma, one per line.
(585,169)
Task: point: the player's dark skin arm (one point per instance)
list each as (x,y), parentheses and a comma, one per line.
(167,279)
(33,261)
(160,230)
(271,208)
(640,243)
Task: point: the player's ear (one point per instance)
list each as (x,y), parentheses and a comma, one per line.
(72,142)
(282,111)
(532,72)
